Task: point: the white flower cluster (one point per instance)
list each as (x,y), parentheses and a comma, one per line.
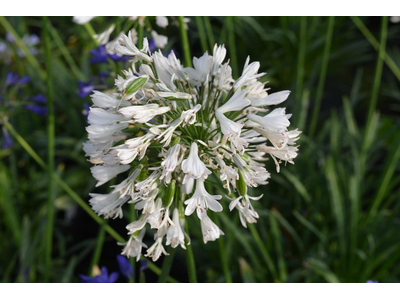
(171,129)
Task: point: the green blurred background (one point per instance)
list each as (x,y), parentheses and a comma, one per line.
(331,217)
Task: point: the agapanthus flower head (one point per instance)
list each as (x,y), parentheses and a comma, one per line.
(171,132)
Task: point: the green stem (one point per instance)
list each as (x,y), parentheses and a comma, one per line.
(378,71)
(223,255)
(166,267)
(372,40)
(322,76)
(185,42)
(91,32)
(140,37)
(232,45)
(74,195)
(74,68)
(21,45)
(99,247)
(300,64)
(202,34)
(50,152)
(209,31)
(191,266)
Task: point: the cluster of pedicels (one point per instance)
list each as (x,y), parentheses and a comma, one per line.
(175,132)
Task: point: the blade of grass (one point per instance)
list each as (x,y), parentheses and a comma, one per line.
(191,266)
(278,247)
(323,270)
(310,226)
(336,202)
(378,71)
(232,45)
(209,31)
(263,250)
(322,76)
(50,151)
(373,41)
(223,255)
(297,184)
(7,203)
(300,64)
(75,196)
(348,112)
(21,45)
(99,247)
(386,176)
(185,43)
(74,68)
(289,228)
(167,264)
(202,33)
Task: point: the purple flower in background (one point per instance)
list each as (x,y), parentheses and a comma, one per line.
(125,266)
(143,265)
(39,98)
(372,281)
(7,143)
(85,88)
(13,78)
(152,45)
(39,110)
(102,278)
(104,75)
(100,56)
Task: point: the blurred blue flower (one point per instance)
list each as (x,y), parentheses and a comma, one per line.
(7,143)
(86,109)
(99,56)
(372,281)
(102,278)
(143,265)
(39,110)
(39,98)
(125,266)
(85,88)
(14,78)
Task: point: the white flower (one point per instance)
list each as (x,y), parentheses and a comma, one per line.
(107,101)
(170,163)
(286,153)
(127,46)
(193,167)
(143,113)
(159,40)
(133,248)
(175,233)
(108,205)
(161,21)
(277,120)
(215,124)
(104,173)
(82,19)
(104,37)
(272,99)
(210,231)
(201,201)
(99,116)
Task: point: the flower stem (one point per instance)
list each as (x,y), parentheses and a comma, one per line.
(140,37)
(300,64)
(223,255)
(209,31)
(202,34)
(166,267)
(372,40)
(50,152)
(74,195)
(232,45)
(99,247)
(185,42)
(191,266)
(322,76)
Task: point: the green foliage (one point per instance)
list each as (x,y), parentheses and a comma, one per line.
(331,217)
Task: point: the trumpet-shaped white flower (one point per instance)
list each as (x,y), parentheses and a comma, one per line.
(201,201)
(210,231)
(159,40)
(161,21)
(172,127)
(133,248)
(175,232)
